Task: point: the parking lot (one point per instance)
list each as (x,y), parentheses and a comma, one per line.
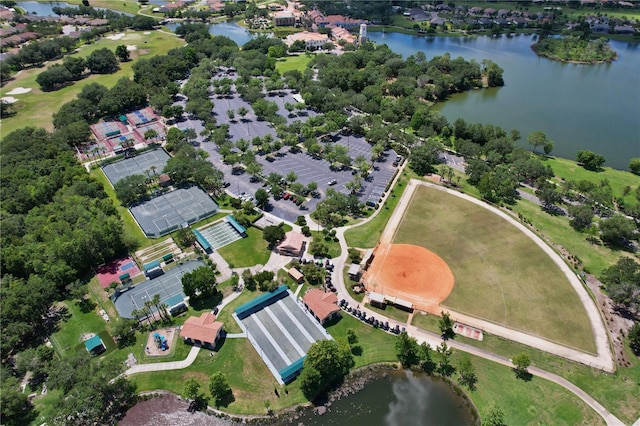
(307,168)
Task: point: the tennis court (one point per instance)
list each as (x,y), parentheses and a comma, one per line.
(111,272)
(161,133)
(150,161)
(108,129)
(220,234)
(281,331)
(141,117)
(168,212)
(168,286)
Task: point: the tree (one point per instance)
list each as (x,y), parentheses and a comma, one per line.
(122,53)
(634,338)
(617,229)
(467,374)
(581,216)
(352,338)
(444,365)
(521,363)
(291,177)
(273,234)
(549,195)
(424,157)
(191,389)
(54,77)
(493,416)
(199,283)
(75,66)
(242,112)
(262,198)
(537,139)
(125,333)
(634,165)
(407,350)
(130,188)
(590,160)
(102,61)
(219,388)
(446,326)
(622,282)
(15,408)
(327,363)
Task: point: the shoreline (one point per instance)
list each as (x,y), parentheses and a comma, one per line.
(356,381)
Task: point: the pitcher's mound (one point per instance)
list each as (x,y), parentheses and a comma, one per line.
(410,272)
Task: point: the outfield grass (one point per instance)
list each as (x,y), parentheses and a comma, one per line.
(248,251)
(37,107)
(367,235)
(500,274)
(290,63)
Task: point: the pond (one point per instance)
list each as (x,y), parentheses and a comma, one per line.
(46,8)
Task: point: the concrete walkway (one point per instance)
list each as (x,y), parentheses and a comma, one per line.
(162,366)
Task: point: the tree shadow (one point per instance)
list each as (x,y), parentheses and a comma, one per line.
(448,334)
(225,400)
(208,302)
(523,374)
(86,305)
(356,350)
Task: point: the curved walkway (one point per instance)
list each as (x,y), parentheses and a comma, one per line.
(603,361)
(162,366)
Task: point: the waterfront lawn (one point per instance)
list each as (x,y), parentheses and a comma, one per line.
(248,251)
(537,401)
(290,63)
(250,380)
(376,345)
(37,107)
(520,287)
(367,235)
(617,392)
(618,179)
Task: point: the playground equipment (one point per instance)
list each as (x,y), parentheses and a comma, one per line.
(161,341)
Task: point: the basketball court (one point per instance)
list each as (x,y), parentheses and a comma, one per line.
(167,286)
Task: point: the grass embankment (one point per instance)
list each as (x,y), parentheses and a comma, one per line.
(501,275)
(290,63)
(367,235)
(37,107)
(617,392)
(248,251)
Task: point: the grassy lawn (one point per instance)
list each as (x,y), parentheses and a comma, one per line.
(595,257)
(334,246)
(290,63)
(571,171)
(348,283)
(71,331)
(617,392)
(367,235)
(377,345)
(252,383)
(225,315)
(534,402)
(37,107)
(248,251)
(519,287)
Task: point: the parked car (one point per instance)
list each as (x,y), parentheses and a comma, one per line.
(332,182)
(286,196)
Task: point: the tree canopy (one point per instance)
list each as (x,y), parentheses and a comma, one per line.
(327,363)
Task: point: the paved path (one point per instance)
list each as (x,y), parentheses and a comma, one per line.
(162,366)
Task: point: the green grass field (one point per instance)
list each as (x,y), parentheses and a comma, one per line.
(248,251)
(37,107)
(500,274)
(290,63)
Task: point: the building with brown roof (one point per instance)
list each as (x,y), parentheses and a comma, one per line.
(203,330)
(323,306)
(292,245)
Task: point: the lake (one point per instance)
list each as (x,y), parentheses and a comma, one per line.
(594,107)
(400,398)
(227,28)
(46,8)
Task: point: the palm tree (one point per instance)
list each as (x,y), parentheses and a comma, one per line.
(136,314)
(147,309)
(155,300)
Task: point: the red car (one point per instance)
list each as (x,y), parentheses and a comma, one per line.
(286,196)
(293,198)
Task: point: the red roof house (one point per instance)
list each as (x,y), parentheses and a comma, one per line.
(324,306)
(203,330)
